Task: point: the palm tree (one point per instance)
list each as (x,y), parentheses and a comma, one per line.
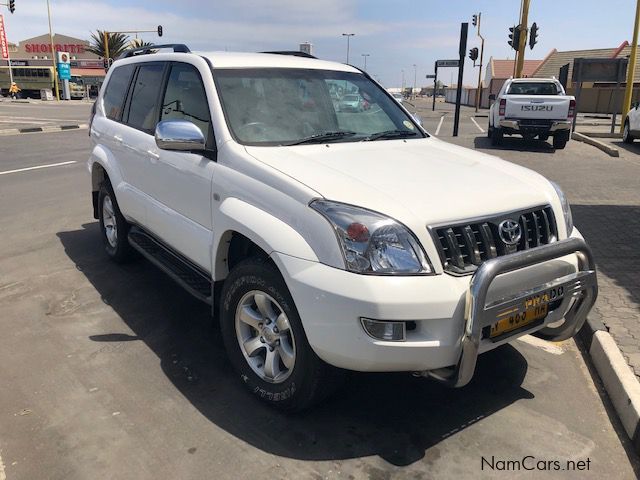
(118,43)
(138,42)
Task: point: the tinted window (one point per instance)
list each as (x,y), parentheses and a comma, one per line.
(143,109)
(533,88)
(185,98)
(116,91)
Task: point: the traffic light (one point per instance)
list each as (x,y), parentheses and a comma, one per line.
(533,38)
(474,21)
(12,6)
(473,54)
(514,37)
(107,62)
(159,30)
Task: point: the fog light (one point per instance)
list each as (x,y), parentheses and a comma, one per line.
(381,330)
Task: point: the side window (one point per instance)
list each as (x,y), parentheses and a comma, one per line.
(185,98)
(143,108)
(116,91)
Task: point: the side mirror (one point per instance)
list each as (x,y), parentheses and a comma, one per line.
(492,97)
(179,135)
(635,105)
(417,118)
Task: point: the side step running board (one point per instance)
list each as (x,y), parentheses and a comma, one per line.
(189,276)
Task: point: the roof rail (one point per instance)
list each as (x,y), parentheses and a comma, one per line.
(177,47)
(293,53)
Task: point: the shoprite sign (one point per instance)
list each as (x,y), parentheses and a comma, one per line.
(4,46)
(46,48)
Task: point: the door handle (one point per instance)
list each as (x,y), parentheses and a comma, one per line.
(153,155)
(118,138)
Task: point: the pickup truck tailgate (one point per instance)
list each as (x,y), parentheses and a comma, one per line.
(542,107)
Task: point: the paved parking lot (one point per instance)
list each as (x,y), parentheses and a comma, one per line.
(34,114)
(114,372)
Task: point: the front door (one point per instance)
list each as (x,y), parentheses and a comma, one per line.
(182,181)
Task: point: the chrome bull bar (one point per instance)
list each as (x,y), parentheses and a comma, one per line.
(579,293)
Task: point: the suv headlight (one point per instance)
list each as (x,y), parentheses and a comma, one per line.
(372,243)
(566,208)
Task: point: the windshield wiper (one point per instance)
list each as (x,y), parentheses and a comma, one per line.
(390,134)
(322,137)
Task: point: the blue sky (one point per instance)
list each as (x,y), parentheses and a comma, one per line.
(397,34)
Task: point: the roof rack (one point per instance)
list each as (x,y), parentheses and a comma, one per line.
(177,47)
(293,53)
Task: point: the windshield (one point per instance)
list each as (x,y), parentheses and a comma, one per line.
(285,106)
(533,88)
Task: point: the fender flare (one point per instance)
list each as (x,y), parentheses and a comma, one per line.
(105,159)
(270,233)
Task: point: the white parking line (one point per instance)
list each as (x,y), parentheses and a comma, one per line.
(440,125)
(37,167)
(476,123)
(2,474)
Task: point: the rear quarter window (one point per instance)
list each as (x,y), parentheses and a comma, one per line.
(116,91)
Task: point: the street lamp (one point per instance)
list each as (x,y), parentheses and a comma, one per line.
(415,78)
(365,55)
(348,35)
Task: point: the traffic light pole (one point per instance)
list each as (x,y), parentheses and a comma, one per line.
(631,69)
(524,34)
(479,90)
(464,29)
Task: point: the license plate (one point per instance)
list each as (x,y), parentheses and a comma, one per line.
(534,308)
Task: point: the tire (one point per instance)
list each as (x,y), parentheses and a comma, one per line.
(489,131)
(496,136)
(113,226)
(560,141)
(300,382)
(626,133)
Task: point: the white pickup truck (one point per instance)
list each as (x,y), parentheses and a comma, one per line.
(532,107)
(326,240)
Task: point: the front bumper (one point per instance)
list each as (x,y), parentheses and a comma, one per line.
(445,309)
(580,290)
(542,127)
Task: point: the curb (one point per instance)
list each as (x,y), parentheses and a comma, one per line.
(15,131)
(580,137)
(620,382)
(602,134)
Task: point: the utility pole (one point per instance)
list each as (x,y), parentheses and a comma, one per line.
(365,55)
(53,55)
(524,35)
(479,90)
(628,93)
(402,81)
(348,35)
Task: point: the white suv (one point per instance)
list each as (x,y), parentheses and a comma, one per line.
(327,240)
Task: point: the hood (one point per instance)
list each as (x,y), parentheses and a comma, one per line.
(424,180)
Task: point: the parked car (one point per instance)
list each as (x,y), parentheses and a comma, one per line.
(352,103)
(532,107)
(398,96)
(631,129)
(326,241)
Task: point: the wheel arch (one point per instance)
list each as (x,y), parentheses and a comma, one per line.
(242,230)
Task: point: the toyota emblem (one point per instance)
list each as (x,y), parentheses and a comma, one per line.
(510,232)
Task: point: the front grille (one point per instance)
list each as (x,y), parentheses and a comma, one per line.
(463,247)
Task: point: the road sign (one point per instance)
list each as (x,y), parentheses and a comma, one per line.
(64,71)
(4,46)
(63,57)
(429,76)
(447,63)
